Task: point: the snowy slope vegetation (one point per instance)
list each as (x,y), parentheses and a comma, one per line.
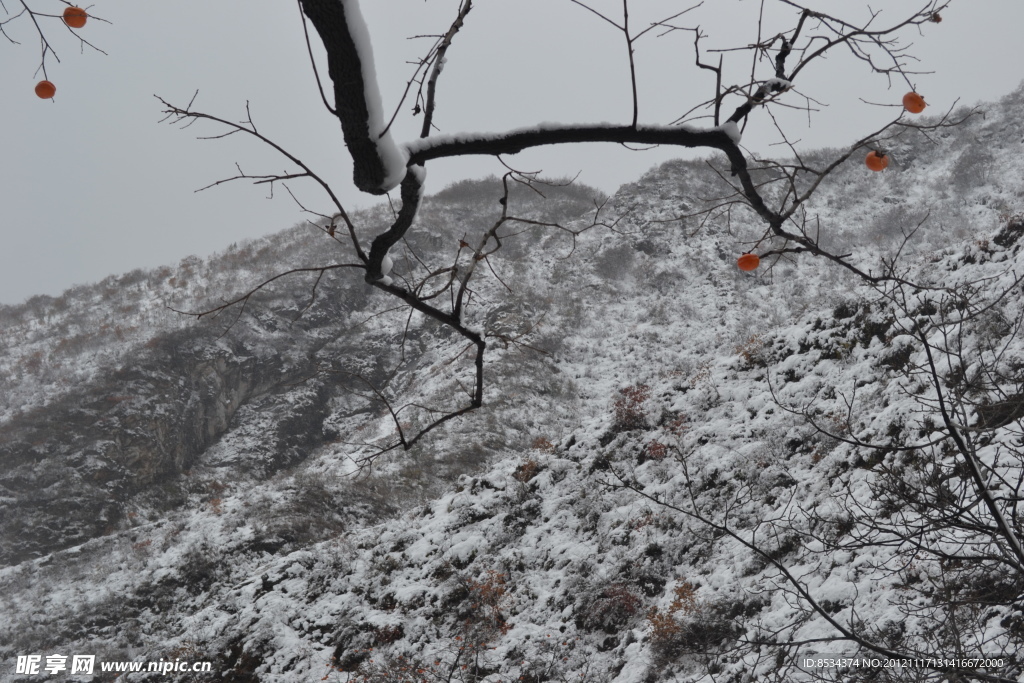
(681,472)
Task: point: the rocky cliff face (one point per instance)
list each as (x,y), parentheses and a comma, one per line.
(74,468)
(121,441)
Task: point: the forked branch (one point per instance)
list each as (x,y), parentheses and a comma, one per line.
(380,165)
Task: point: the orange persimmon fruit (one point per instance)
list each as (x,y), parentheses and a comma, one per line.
(45,89)
(914,103)
(75,17)
(748,262)
(877,161)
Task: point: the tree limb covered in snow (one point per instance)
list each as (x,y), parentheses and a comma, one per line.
(349,55)
(379,164)
(356,96)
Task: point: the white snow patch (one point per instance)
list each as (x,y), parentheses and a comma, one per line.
(732,130)
(779,83)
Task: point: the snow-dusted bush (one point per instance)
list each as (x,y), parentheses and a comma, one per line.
(630,408)
(608,607)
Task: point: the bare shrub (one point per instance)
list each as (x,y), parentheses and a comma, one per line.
(689,626)
(630,411)
(610,608)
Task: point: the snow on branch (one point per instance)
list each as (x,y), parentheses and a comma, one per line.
(514,141)
(379,163)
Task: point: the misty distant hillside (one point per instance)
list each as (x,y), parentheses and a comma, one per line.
(207,490)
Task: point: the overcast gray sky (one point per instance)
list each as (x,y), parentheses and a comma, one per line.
(91,184)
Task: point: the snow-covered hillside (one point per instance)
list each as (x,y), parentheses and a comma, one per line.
(681,471)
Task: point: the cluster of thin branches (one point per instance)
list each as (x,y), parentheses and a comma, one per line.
(939,494)
(28,10)
(442,292)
